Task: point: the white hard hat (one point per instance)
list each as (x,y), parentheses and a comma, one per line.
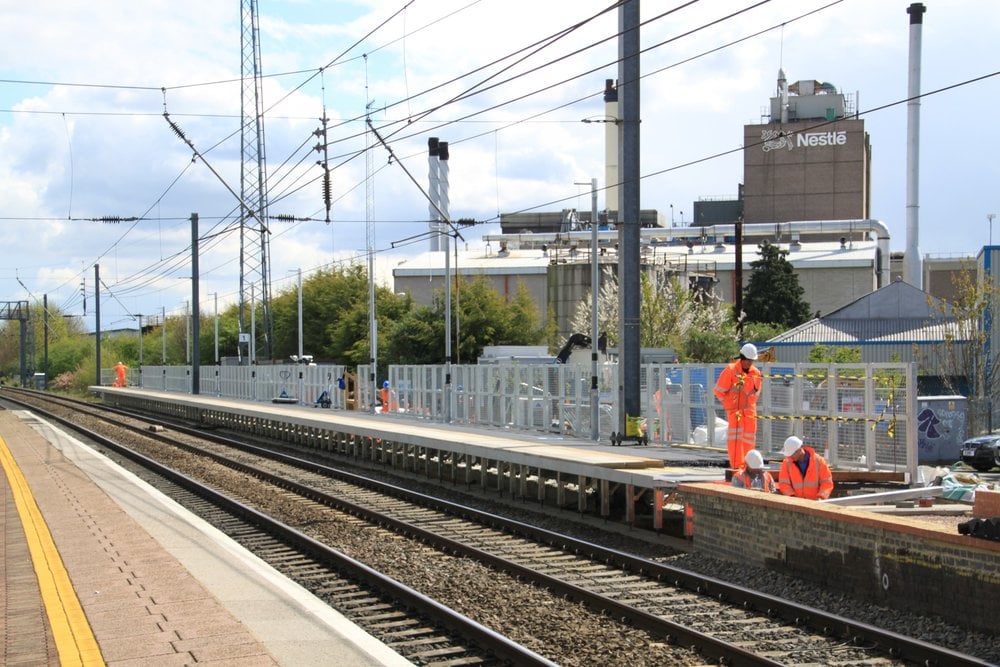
(749,351)
(792,444)
(754,459)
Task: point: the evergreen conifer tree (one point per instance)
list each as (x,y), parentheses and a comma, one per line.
(773,294)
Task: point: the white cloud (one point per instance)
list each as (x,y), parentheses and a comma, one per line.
(88,150)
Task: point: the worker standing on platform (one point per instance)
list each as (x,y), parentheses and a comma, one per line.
(753,475)
(388,398)
(738,389)
(804,473)
(120,378)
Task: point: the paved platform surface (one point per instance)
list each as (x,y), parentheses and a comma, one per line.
(157,586)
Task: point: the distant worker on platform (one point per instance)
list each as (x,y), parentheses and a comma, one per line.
(388,398)
(120,377)
(804,473)
(738,389)
(753,476)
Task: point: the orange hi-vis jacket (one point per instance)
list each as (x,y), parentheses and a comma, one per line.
(815,484)
(744,480)
(737,390)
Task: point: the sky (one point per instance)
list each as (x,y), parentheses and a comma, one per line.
(83,137)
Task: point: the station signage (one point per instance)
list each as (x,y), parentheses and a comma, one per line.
(777,140)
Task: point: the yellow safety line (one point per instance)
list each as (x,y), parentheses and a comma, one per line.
(73,636)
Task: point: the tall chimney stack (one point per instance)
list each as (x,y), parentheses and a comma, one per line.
(912,272)
(611,121)
(433,184)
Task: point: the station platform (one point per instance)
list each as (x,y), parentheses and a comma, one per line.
(99,568)
(594,476)
(145,582)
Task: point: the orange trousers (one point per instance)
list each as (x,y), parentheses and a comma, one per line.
(741,437)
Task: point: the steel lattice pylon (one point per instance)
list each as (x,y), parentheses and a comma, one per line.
(255,266)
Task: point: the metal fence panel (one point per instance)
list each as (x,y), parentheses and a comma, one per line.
(858,415)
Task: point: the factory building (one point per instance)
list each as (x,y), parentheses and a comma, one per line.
(806,189)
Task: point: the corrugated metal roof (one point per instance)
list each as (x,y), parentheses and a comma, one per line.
(897,313)
(902,330)
(895,300)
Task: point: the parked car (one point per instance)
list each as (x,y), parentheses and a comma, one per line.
(982,453)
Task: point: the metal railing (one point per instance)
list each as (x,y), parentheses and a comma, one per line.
(859,415)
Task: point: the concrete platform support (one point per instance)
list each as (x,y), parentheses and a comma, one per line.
(606,488)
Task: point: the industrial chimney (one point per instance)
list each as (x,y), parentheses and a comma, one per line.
(612,117)
(433,185)
(912,272)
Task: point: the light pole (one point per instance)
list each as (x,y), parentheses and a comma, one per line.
(163,332)
(139,315)
(215,296)
(988,321)
(595,414)
(300,315)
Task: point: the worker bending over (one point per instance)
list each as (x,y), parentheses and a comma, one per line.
(804,473)
(753,475)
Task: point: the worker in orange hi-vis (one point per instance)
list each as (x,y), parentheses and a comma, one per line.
(804,473)
(388,398)
(738,389)
(120,371)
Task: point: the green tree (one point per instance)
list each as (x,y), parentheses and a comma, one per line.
(709,346)
(348,333)
(773,294)
(694,323)
(761,331)
(835,354)
(968,361)
(68,343)
(482,317)
(328,297)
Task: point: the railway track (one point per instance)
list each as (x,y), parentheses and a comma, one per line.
(529,584)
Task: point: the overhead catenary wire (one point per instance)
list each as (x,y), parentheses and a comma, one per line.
(457,140)
(482,112)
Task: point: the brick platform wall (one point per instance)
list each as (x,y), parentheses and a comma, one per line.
(987,505)
(896,561)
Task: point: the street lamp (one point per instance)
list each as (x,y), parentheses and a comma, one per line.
(139,316)
(988,317)
(300,312)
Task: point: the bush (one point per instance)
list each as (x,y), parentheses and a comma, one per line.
(63,382)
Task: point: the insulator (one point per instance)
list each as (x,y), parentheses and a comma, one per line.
(174,127)
(284,217)
(327,198)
